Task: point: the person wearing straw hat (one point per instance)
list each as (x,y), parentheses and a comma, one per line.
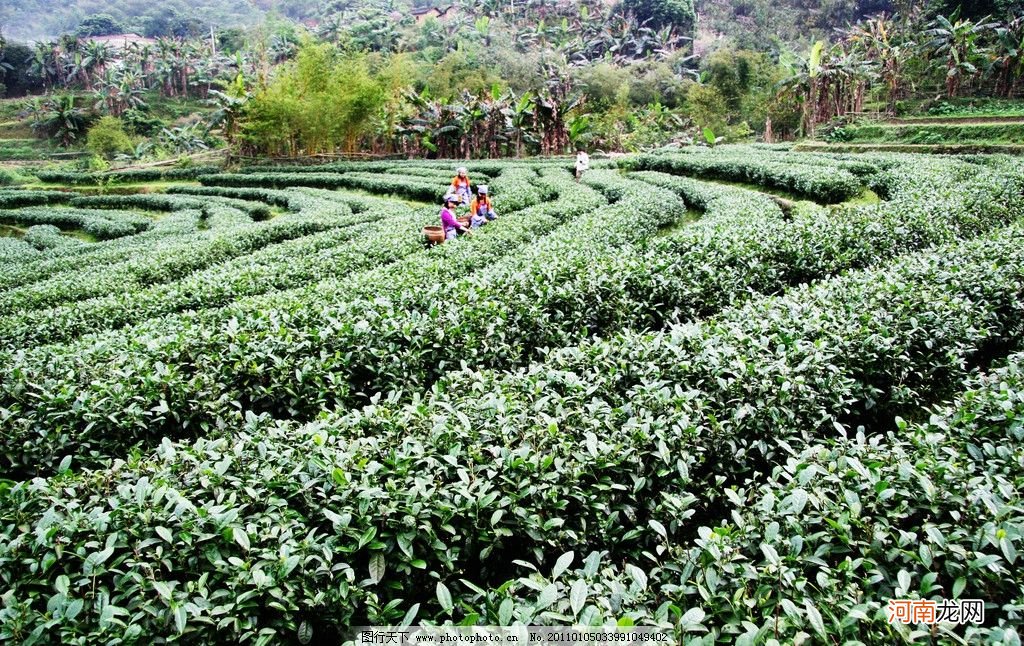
(481,210)
(449,223)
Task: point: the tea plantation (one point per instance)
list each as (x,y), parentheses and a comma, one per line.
(745,393)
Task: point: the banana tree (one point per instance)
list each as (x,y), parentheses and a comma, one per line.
(880,40)
(955,46)
(58,117)
(519,116)
(47,63)
(229,107)
(1008,61)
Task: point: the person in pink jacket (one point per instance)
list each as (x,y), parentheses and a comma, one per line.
(451,225)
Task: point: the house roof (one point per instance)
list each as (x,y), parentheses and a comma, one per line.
(439,11)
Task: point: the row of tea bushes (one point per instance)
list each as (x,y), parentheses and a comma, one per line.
(123,176)
(482,167)
(608,446)
(930,510)
(442,175)
(279,264)
(267,196)
(720,260)
(174,227)
(156,202)
(103,225)
(12,199)
(379,184)
(824,183)
(47,236)
(177,225)
(14,250)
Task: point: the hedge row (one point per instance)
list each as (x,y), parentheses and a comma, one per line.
(435,174)
(489,167)
(917,149)
(607,446)
(722,260)
(931,510)
(936,133)
(47,236)
(103,225)
(378,184)
(827,184)
(14,250)
(286,254)
(124,176)
(177,225)
(155,202)
(864,517)
(13,199)
(267,196)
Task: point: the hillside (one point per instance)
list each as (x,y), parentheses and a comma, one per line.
(756,24)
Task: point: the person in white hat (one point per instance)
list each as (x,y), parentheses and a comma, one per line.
(481,210)
(461,185)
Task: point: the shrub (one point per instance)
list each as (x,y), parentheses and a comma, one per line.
(107,138)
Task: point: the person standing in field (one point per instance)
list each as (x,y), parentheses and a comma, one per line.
(461,186)
(582,163)
(449,223)
(480,210)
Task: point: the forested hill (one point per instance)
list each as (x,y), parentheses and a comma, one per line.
(750,23)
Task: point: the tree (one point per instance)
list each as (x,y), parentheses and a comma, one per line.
(679,14)
(321,102)
(17,70)
(58,117)
(170,23)
(100,24)
(955,45)
(708,107)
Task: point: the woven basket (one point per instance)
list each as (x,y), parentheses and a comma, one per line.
(434,235)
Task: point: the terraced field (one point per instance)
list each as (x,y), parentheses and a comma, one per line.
(256,404)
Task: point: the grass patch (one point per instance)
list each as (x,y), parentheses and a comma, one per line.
(867,198)
(688,218)
(8,231)
(137,188)
(79,235)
